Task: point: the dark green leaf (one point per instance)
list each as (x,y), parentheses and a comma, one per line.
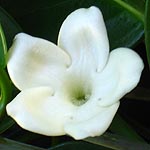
(5,123)
(147,29)
(44,18)
(10,27)
(6,144)
(120,127)
(5,93)
(117,142)
(136,7)
(139,93)
(79,146)
(139,5)
(3,48)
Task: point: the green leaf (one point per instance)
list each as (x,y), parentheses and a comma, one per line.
(5,97)
(5,124)
(117,142)
(10,27)
(3,48)
(139,93)
(6,144)
(6,91)
(139,5)
(136,7)
(120,127)
(124,28)
(80,145)
(44,18)
(147,29)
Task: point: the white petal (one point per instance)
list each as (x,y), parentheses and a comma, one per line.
(35,62)
(120,76)
(39,111)
(83,35)
(93,126)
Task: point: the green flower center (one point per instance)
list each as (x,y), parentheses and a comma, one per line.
(79,91)
(79,96)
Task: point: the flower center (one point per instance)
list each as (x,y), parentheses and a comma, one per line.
(80,96)
(79,91)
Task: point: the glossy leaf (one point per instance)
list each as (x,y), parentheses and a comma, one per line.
(3,48)
(6,123)
(136,7)
(6,144)
(117,142)
(139,5)
(120,127)
(147,29)
(78,145)
(5,97)
(10,27)
(44,18)
(5,87)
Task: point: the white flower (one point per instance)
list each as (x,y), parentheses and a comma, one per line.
(73,88)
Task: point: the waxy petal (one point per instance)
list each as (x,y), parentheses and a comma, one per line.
(40,110)
(35,62)
(121,75)
(83,35)
(94,126)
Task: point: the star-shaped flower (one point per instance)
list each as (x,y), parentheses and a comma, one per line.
(73,88)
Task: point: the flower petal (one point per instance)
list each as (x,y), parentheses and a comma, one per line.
(83,35)
(120,76)
(39,111)
(93,126)
(35,62)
